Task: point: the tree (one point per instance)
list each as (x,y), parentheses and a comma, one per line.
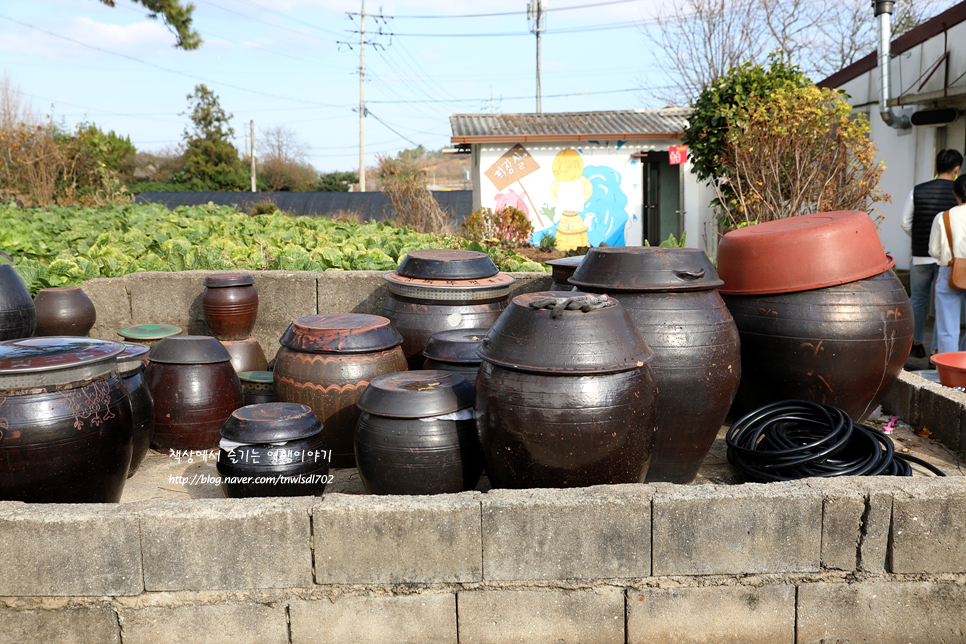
(336,181)
(283,160)
(820,36)
(793,152)
(176,16)
(211,161)
(711,113)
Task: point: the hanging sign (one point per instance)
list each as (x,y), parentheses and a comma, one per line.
(677,154)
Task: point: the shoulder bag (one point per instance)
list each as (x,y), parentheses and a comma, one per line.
(957,265)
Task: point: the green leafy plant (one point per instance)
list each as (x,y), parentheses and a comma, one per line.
(211,161)
(672,242)
(65,246)
(548,242)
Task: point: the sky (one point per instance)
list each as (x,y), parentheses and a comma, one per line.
(295,64)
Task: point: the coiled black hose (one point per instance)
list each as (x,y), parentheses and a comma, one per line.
(796,439)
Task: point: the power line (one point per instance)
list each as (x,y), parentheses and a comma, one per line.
(164,69)
(389,127)
(518,13)
(569,30)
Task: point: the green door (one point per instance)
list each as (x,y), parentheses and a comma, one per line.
(662,198)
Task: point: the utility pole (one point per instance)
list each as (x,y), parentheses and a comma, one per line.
(252,124)
(362,82)
(362,99)
(535,11)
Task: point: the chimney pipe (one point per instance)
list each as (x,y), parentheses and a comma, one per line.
(883,14)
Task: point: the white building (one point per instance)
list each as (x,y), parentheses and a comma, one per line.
(928,81)
(608,172)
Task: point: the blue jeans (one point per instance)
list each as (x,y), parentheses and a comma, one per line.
(948,305)
(921,280)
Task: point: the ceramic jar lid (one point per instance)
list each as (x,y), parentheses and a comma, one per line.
(341,333)
(147,332)
(443,264)
(189,349)
(223,280)
(455,345)
(600,341)
(646,268)
(417,394)
(132,358)
(256,377)
(801,253)
(483,288)
(561,269)
(47,361)
(271,423)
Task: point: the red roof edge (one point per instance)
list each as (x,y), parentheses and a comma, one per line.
(905,42)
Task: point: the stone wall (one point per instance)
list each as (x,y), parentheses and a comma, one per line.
(862,559)
(175,298)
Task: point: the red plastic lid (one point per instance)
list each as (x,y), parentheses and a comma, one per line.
(801,254)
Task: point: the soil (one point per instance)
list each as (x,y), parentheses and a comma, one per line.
(540,256)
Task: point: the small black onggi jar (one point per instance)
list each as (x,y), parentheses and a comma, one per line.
(273,449)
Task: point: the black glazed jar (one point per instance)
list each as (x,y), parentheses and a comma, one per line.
(417,434)
(273,449)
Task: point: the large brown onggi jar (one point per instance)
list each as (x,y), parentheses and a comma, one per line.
(64,310)
(821,315)
(195,389)
(130,364)
(18,315)
(230,305)
(670,295)
(440,290)
(326,361)
(565,402)
(65,421)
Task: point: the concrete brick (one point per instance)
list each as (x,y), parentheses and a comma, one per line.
(587,533)
(902,399)
(843,505)
(69,550)
(226,544)
(168,298)
(748,529)
(380,540)
(414,619)
(929,526)
(941,412)
(72,625)
(282,297)
(714,615)
(245,623)
(882,612)
(874,547)
(112,305)
(352,292)
(504,616)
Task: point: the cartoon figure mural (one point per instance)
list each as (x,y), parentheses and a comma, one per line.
(570,190)
(581,205)
(605,213)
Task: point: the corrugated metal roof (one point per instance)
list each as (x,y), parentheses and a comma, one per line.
(569,126)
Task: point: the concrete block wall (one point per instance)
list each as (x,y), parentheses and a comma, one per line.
(175,298)
(859,559)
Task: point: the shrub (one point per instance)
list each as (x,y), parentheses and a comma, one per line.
(509,227)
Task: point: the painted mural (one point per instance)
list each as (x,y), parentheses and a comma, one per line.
(566,195)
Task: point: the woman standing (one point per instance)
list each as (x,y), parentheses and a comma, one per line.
(948,300)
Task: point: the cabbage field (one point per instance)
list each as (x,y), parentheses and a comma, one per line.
(64,246)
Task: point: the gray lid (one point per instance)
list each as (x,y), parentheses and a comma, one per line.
(189,349)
